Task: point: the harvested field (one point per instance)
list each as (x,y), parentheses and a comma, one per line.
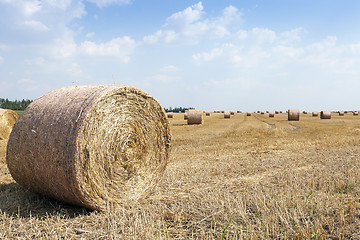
(241,178)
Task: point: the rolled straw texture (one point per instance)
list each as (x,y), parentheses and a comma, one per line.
(7,121)
(186,114)
(195,117)
(92,146)
(293,115)
(325,115)
(315,114)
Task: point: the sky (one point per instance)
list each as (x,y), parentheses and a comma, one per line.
(214,55)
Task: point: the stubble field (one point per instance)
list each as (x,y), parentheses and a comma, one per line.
(241,178)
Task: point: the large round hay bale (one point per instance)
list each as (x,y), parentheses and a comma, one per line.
(262,112)
(170,115)
(7,121)
(355,113)
(277,112)
(207,113)
(293,115)
(238,111)
(305,112)
(341,113)
(222,111)
(227,115)
(92,146)
(195,117)
(325,115)
(232,113)
(248,114)
(315,114)
(271,114)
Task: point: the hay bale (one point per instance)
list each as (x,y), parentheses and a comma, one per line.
(195,117)
(238,111)
(7,121)
(222,111)
(227,115)
(355,113)
(271,114)
(281,111)
(207,113)
(262,113)
(92,146)
(277,112)
(248,114)
(341,113)
(232,113)
(325,115)
(186,114)
(170,115)
(305,112)
(293,115)
(315,114)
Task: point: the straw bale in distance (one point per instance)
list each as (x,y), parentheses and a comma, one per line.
(170,114)
(293,115)
(227,115)
(262,113)
(248,114)
(341,113)
(232,113)
(222,111)
(186,114)
(305,112)
(355,113)
(238,111)
(325,115)
(207,113)
(195,117)
(315,114)
(271,114)
(277,112)
(92,146)
(7,121)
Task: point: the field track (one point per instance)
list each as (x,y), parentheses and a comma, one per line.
(247,177)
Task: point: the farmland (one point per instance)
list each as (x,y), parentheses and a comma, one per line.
(247,177)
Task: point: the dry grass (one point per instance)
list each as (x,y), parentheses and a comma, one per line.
(243,178)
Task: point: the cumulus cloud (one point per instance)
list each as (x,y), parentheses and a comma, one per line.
(105,3)
(190,26)
(169,68)
(117,47)
(36,25)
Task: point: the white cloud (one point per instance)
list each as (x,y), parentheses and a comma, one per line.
(36,25)
(90,35)
(170,68)
(105,3)
(117,47)
(188,26)
(208,56)
(162,78)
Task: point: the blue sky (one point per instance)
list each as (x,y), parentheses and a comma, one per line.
(228,54)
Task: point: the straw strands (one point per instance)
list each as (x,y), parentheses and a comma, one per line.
(7,121)
(93,146)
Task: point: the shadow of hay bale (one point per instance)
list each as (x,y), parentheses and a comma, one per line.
(19,202)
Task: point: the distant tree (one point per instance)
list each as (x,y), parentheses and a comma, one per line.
(14,105)
(177,109)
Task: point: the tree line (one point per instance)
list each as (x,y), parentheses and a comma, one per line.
(19,105)
(177,109)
